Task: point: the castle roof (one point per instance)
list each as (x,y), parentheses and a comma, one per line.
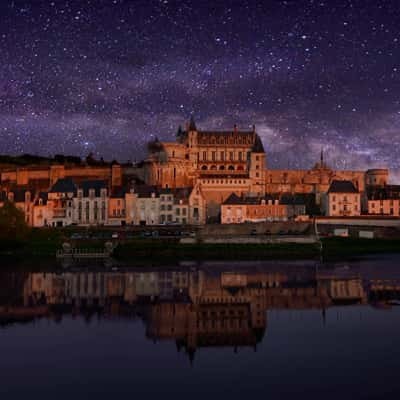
(119,192)
(258,145)
(97,185)
(293,199)
(225,133)
(192,124)
(342,187)
(388,192)
(63,185)
(233,199)
(42,196)
(284,199)
(145,190)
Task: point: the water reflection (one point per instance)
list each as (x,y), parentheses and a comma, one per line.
(202,306)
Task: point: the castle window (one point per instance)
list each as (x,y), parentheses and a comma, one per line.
(222,167)
(231,168)
(204,167)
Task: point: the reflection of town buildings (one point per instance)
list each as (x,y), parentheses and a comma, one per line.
(195,308)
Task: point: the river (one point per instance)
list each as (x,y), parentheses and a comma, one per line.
(208,330)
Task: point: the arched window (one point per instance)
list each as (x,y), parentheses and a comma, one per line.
(231,168)
(240,168)
(213,167)
(222,167)
(204,167)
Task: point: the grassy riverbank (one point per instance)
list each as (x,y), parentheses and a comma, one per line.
(338,247)
(161,250)
(45,242)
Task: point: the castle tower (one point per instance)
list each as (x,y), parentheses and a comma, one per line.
(192,139)
(377,176)
(257,166)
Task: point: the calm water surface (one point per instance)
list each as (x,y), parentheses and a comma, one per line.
(213,330)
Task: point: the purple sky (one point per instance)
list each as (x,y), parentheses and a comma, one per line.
(106,76)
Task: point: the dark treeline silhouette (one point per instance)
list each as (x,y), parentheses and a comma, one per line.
(30,159)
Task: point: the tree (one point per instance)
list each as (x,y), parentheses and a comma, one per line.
(12,223)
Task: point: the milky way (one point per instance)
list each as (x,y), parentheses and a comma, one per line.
(107,76)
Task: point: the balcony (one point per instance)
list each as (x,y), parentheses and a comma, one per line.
(223,174)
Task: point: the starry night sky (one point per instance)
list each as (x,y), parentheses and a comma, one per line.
(106,76)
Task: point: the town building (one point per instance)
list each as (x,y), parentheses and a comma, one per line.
(342,200)
(117,207)
(384,200)
(41,212)
(61,202)
(91,203)
(237,210)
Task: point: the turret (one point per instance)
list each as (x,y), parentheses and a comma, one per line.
(377,176)
(257,166)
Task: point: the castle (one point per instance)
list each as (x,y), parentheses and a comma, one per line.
(226,162)
(189,181)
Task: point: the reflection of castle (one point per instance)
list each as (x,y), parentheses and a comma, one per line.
(196,308)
